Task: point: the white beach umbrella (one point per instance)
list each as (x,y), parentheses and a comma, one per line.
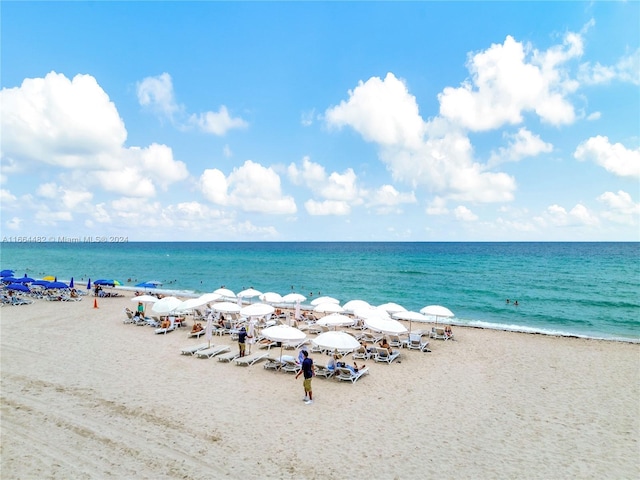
(270,297)
(225,292)
(371,312)
(341,341)
(257,310)
(320,300)
(392,307)
(389,326)
(208,331)
(166,305)
(328,308)
(353,305)
(210,297)
(293,298)
(411,317)
(336,320)
(191,303)
(145,299)
(226,307)
(284,334)
(249,293)
(437,311)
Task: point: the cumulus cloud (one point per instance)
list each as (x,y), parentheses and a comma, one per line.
(387,199)
(620,208)
(156,93)
(578,216)
(437,206)
(327,207)
(464,214)
(614,158)
(218,123)
(250,187)
(521,145)
(626,70)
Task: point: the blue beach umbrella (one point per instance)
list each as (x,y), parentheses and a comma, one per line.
(52,285)
(89,285)
(9,279)
(71,283)
(6,273)
(25,279)
(42,283)
(146,285)
(19,287)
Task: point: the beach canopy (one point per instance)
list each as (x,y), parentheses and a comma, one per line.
(392,307)
(226,307)
(249,293)
(41,283)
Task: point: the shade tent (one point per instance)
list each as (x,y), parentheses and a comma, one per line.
(191,303)
(210,297)
(25,279)
(146,285)
(107,283)
(6,273)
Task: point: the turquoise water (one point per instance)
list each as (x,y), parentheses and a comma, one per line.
(583,289)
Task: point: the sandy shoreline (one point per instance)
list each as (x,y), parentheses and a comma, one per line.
(86,396)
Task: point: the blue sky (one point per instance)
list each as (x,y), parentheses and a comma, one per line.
(261,121)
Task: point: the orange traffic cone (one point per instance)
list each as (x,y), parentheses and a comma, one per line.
(95,303)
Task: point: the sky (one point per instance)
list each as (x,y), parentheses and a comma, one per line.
(320,121)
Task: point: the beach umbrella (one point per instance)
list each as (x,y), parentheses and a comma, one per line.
(336,320)
(145,299)
(226,307)
(208,331)
(157,283)
(321,300)
(437,311)
(293,298)
(257,310)
(102,281)
(270,297)
(71,283)
(341,341)
(225,292)
(166,305)
(6,273)
(54,285)
(191,303)
(353,305)
(41,283)
(49,278)
(249,293)
(392,307)
(328,308)
(9,279)
(296,314)
(411,316)
(210,297)
(18,287)
(25,279)
(384,325)
(89,284)
(284,334)
(146,285)
(371,312)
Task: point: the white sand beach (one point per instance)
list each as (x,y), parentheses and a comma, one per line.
(86,396)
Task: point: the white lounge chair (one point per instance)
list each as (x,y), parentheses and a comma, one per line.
(193,349)
(272,364)
(228,357)
(290,366)
(415,342)
(322,370)
(383,355)
(164,331)
(438,333)
(346,374)
(212,352)
(249,360)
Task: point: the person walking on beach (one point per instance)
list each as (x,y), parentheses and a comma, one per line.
(242,338)
(307,371)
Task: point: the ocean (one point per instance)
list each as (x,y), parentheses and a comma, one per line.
(577,289)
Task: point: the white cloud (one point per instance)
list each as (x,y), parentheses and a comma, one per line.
(438,206)
(218,123)
(577,216)
(382,111)
(157,94)
(327,207)
(509,79)
(14,223)
(386,199)
(250,187)
(614,158)
(464,214)
(627,70)
(306,119)
(621,208)
(521,145)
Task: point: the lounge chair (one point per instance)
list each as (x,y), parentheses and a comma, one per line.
(440,334)
(383,355)
(369,338)
(266,343)
(361,353)
(211,352)
(249,360)
(164,331)
(322,370)
(272,364)
(394,341)
(290,366)
(346,374)
(197,334)
(193,349)
(415,342)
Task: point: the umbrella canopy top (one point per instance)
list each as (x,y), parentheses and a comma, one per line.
(437,311)
(392,307)
(371,313)
(210,297)
(389,326)
(225,292)
(6,273)
(257,310)
(18,287)
(341,341)
(108,283)
(335,320)
(166,305)
(284,334)
(270,297)
(320,300)
(226,307)
(249,293)
(146,285)
(191,303)
(411,316)
(145,299)
(293,298)
(353,305)
(25,279)
(328,308)
(53,285)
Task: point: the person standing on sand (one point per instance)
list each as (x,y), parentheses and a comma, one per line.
(242,338)
(307,371)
